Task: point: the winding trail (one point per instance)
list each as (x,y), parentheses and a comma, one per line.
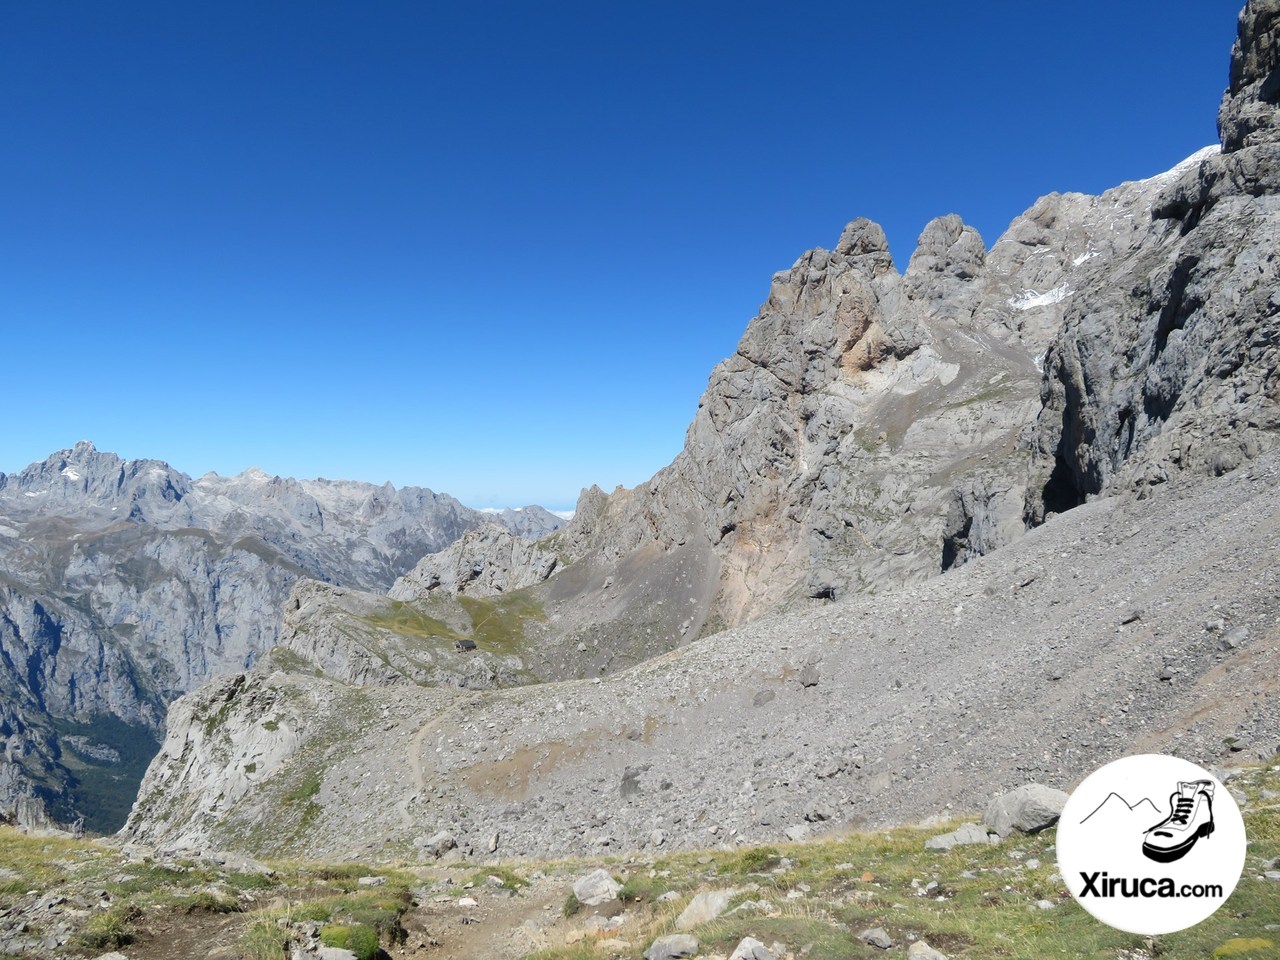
(417,750)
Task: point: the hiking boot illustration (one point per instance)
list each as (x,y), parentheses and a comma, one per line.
(1191,818)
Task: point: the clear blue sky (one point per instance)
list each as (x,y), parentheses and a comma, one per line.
(496,248)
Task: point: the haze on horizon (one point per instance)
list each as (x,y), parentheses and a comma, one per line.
(495,249)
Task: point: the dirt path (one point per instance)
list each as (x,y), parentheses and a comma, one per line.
(169,935)
(499,925)
(417,770)
(417,745)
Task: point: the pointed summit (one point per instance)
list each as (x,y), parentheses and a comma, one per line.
(948,249)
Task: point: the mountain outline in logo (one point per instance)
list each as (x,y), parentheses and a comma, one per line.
(1130,809)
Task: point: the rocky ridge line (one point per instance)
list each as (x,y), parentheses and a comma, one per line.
(124,584)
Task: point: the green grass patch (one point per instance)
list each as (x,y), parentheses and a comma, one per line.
(642,888)
(38,863)
(212,723)
(498,623)
(316,911)
(307,788)
(111,928)
(208,901)
(996,391)
(151,878)
(571,905)
(264,940)
(287,661)
(358,938)
(579,951)
(510,879)
(250,881)
(408,620)
(824,938)
(1247,947)
(755,860)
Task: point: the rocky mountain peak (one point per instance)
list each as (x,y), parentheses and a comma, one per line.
(84,478)
(948,250)
(863,238)
(1247,117)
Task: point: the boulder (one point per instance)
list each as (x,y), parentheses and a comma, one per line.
(920,950)
(704,908)
(676,946)
(1029,808)
(876,937)
(1234,638)
(751,949)
(968,833)
(438,844)
(595,888)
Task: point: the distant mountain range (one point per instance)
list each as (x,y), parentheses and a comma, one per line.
(124,583)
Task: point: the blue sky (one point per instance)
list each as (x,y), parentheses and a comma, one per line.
(496,248)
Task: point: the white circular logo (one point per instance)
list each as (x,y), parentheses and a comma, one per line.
(1151,844)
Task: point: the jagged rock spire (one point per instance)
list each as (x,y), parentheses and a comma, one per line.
(1248,115)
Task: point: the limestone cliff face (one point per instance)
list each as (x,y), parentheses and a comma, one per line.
(125,583)
(484,562)
(236,734)
(1247,117)
(1168,362)
(873,428)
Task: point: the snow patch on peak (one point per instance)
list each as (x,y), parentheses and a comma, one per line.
(1194,160)
(1030,299)
(70,474)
